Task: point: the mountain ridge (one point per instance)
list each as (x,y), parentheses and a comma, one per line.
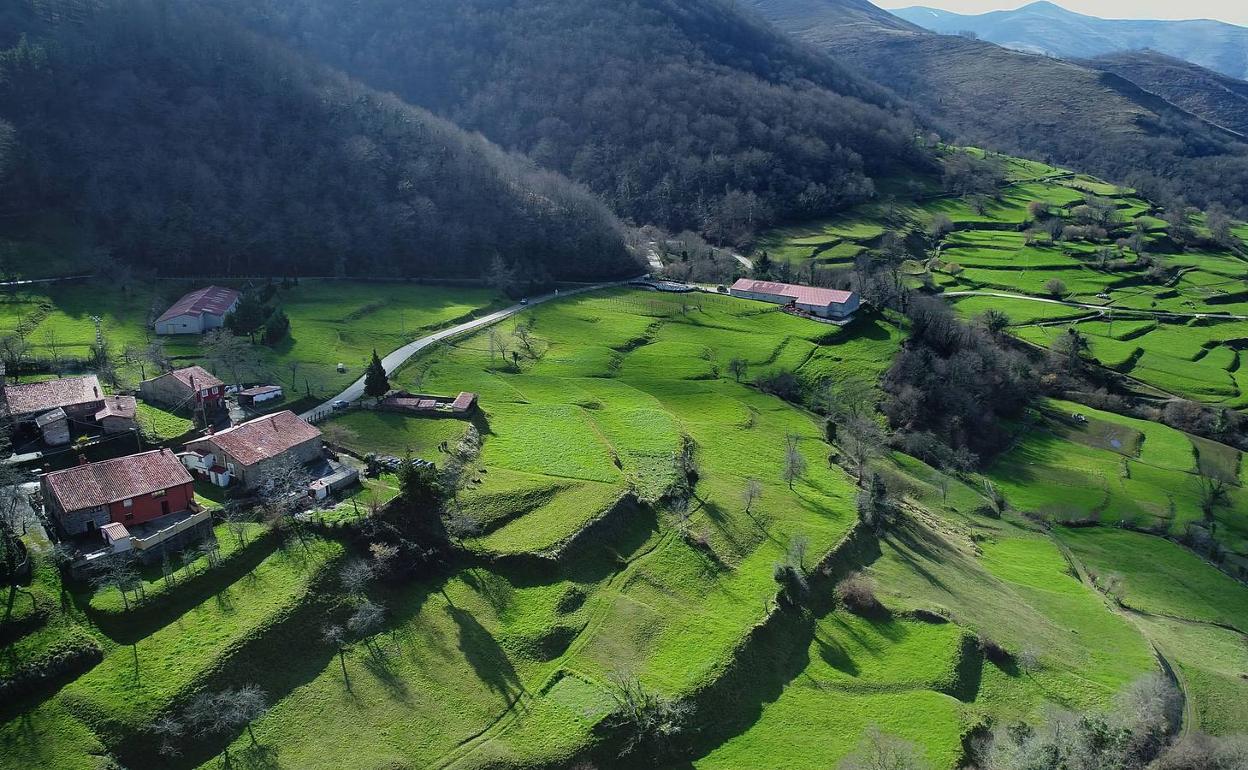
(1060,111)
(1047,28)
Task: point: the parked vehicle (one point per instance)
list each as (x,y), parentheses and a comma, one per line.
(341,404)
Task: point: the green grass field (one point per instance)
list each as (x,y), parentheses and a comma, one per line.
(612,535)
(332,322)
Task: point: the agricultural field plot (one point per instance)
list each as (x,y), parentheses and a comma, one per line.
(1195,359)
(830,241)
(392,433)
(1193,613)
(1154,576)
(988,251)
(1013,587)
(1114,469)
(333,322)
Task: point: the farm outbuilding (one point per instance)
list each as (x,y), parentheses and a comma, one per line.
(54,426)
(259,394)
(823,303)
(79,397)
(118,414)
(434,406)
(184,389)
(199,311)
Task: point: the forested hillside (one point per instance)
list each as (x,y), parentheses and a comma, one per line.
(685,114)
(1030,105)
(180,141)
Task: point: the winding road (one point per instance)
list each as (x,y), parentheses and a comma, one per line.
(397,358)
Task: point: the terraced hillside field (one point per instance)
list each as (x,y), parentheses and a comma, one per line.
(1167,309)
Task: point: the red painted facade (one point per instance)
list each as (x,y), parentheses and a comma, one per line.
(210,396)
(147,507)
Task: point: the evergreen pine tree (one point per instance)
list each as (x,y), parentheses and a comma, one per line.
(376,384)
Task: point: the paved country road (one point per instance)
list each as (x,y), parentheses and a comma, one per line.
(1099,308)
(397,358)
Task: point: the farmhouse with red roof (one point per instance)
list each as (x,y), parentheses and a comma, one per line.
(128,490)
(200,311)
(188,388)
(824,303)
(248,451)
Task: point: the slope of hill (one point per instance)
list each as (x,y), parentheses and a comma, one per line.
(685,114)
(182,142)
(1031,105)
(1217,98)
(1047,28)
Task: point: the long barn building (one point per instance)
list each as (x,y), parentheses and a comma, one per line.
(824,303)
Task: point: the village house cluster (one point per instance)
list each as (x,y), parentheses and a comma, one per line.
(144,503)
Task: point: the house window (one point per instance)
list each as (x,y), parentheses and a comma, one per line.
(129,517)
(160,493)
(128,503)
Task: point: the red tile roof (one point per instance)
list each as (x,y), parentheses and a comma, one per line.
(264,437)
(108,481)
(118,406)
(806,295)
(216,300)
(115,530)
(33,397)
(195,377)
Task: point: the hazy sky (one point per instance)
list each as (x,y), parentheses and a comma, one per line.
(1234,11)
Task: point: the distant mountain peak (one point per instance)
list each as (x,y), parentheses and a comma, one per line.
(1049,27)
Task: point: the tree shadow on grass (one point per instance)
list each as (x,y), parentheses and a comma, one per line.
(378,663)
(255,757)
(835,655)
(190,592)
(906,544)
(487,658)
(487,587)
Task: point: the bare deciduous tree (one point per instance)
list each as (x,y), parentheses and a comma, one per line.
(794,462)
(862,440)
(117,571)
(752,492)
(881,751)
(355,577)
(216,714)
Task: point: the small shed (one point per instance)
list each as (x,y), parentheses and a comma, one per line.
(118,414)
(116,536)
(259,394)
(342,477)
(54,426)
